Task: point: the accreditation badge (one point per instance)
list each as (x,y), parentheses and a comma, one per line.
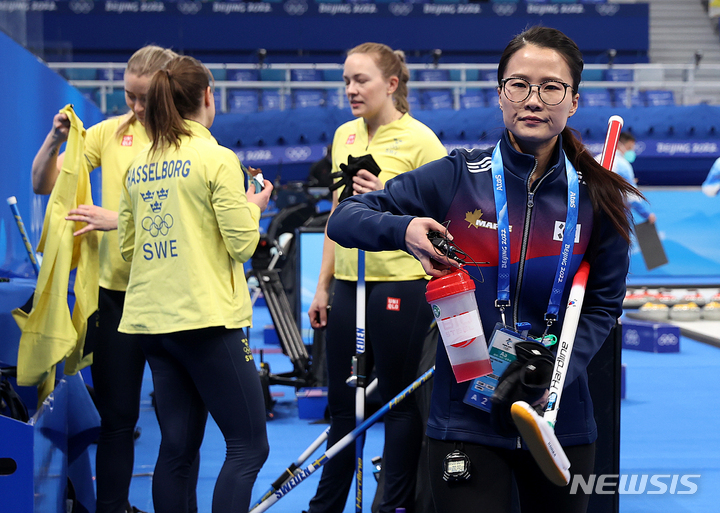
(502,354)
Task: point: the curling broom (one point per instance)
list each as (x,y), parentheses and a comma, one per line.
(539,432)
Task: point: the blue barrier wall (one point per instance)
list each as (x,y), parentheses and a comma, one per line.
(33,95)
(688,224)
(87,30)
(676,145)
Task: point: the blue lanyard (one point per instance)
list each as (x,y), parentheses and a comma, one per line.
(503,230)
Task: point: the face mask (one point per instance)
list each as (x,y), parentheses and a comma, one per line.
(630,156)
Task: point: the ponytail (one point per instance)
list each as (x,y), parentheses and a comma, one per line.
(400,96)
(174,94)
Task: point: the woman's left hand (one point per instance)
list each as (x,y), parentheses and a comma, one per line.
(364,181)
(97,218)
(543,401)
(262,198)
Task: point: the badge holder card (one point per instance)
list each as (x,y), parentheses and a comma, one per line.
(502,354)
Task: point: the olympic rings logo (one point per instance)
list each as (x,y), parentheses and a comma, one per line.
(632,338)
(667,339)
(298,153)
(81,6)
(504,9)
(189,7)
(607,9)
(295,7)
(400,9)
(158,225)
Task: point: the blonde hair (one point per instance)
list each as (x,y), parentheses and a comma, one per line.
(391,63)
(146,61)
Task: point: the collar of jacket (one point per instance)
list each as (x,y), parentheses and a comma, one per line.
(197,129)
(521,164)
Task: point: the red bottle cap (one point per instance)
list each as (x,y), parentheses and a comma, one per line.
(444,286)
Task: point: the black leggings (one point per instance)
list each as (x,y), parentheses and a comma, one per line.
(394,341)
(194,372)
(490,487)
(117,374)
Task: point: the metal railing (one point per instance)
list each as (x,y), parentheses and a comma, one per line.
(691,84)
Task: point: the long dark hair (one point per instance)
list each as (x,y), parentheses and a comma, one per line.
(175,93)
(608,190)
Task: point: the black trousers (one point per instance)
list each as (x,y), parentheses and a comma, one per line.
(196,372)
(117,373)
(496,474)
(394,341)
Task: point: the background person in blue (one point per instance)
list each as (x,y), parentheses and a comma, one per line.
(624,157)
(548,178)
(711,185)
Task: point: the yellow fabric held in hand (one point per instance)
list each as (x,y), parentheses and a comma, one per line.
(49,333)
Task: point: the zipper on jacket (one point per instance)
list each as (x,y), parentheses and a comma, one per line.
(526,235)
(518,443)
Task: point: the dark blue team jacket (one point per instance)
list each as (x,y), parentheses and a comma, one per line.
(459,189)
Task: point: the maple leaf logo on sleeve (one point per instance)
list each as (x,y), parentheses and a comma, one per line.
(473,217)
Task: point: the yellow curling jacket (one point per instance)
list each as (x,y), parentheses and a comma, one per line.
(186,224)
(397,147)
(113,153)
(49,333)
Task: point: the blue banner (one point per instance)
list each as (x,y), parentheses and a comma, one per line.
(308,25)
(312,8)
(309,153)
(273,155)
(677,148)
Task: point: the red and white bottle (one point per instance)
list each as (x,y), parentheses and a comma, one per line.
(452,298)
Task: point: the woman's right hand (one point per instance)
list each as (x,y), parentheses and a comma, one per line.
(47,163)
(60,128)
(319,309)
(419,246)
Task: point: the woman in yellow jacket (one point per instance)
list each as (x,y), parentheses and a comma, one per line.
(118,361)
(398,316)
(187,224)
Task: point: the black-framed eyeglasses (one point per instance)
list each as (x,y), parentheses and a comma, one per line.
(551,92)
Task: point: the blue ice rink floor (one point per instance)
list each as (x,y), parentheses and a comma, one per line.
(669,426)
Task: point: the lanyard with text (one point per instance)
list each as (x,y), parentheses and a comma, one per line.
(503,230)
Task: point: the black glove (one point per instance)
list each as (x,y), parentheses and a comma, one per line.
(525,379)
(347,171)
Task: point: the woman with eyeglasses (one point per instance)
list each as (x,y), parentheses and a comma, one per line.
(557,207)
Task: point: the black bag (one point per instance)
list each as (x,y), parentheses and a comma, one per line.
(10,403)
(525,379)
